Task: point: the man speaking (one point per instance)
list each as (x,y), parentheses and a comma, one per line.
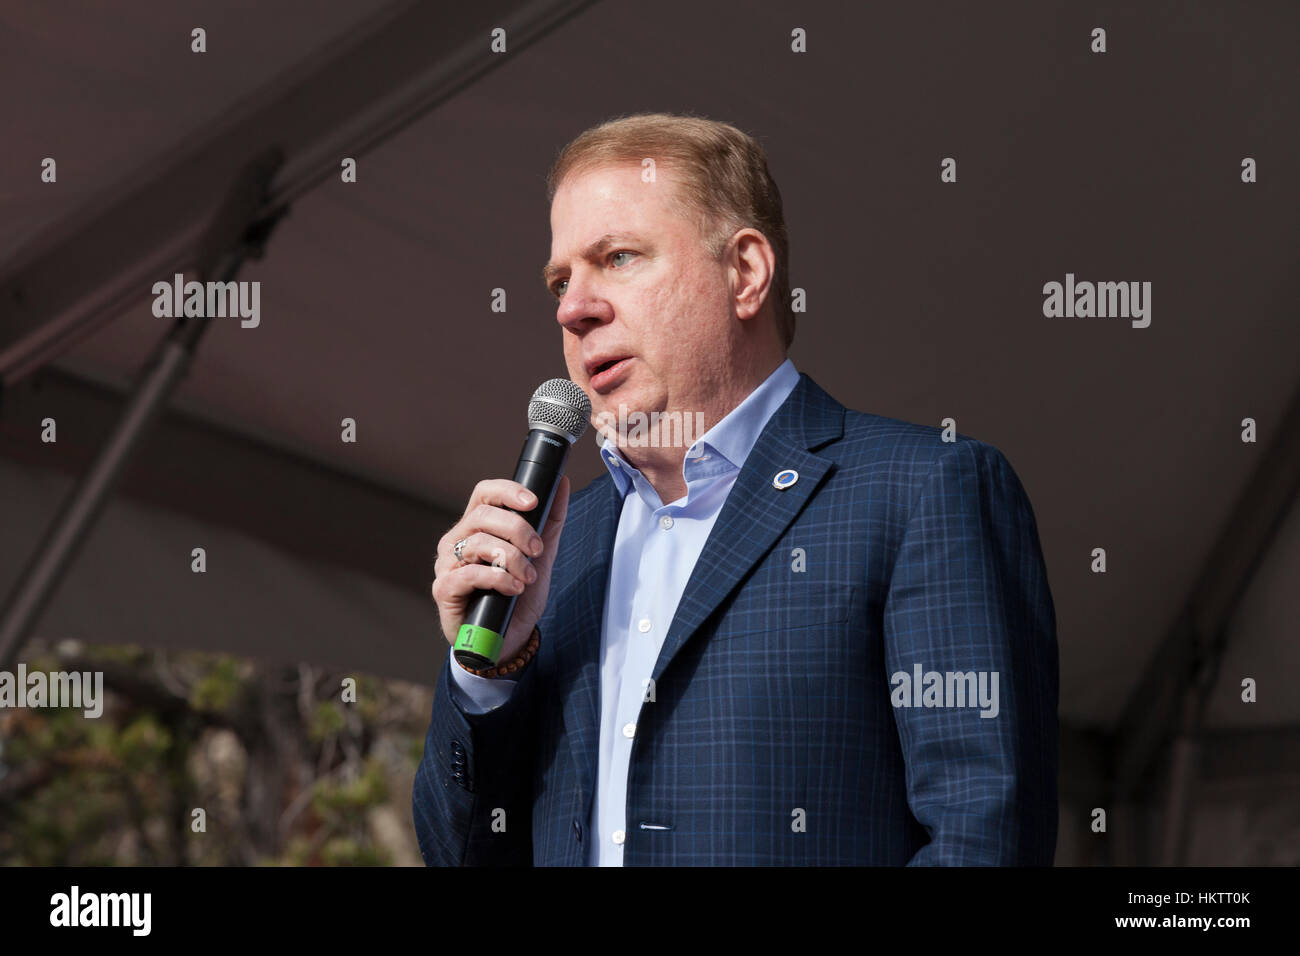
(803,636)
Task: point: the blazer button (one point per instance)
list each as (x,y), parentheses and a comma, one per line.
(577,831)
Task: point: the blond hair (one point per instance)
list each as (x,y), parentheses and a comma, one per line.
(725,182)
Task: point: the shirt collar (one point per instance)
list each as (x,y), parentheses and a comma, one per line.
(726,445)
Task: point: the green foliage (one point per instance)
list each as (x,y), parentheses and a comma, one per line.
(327,719)
(119,653)
(100,774)
(339,803)
(142,744)
(344,851)
(370,693)
(117,790)
(216,690)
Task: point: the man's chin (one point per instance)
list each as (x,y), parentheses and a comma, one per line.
(611,412)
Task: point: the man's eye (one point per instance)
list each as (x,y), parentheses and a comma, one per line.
(558,289)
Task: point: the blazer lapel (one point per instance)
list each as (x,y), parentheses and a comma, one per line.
(756,513)
(582,610)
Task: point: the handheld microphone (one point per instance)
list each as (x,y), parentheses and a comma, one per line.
(558,414)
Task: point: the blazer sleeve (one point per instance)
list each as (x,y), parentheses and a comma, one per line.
(472,797)
(969,592)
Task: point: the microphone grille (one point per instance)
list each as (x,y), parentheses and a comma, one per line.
(560,405)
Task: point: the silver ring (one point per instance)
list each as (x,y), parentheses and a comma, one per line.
(459,549)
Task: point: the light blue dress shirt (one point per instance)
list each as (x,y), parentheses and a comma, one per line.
(655,550)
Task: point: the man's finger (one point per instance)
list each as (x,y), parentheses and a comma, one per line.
(503,493)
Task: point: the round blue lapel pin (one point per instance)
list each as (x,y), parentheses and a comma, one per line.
(784,479)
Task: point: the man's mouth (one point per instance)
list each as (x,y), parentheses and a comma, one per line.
(606,375)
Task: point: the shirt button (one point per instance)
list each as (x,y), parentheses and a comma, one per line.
(619,837)
(629,730)
(615,462)
(643,625)
(665,522)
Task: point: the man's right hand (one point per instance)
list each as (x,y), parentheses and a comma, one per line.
(502,553)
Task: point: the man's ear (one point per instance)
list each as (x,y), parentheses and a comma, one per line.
(752,266)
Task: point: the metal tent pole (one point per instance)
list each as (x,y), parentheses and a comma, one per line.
(238,232)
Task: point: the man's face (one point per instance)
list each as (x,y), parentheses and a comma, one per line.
(637,283)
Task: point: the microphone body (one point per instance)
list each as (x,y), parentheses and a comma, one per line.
(478,644)
(557,417)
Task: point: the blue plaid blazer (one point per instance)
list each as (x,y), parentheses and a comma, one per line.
(774,737)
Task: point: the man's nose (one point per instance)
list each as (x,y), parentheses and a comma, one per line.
(582,306)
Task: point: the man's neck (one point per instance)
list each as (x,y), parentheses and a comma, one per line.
(662,466)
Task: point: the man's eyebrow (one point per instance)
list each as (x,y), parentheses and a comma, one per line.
(550,270)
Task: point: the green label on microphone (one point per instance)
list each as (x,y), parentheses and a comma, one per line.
(480,641)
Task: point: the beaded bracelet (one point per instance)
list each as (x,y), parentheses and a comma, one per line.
(514,666)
